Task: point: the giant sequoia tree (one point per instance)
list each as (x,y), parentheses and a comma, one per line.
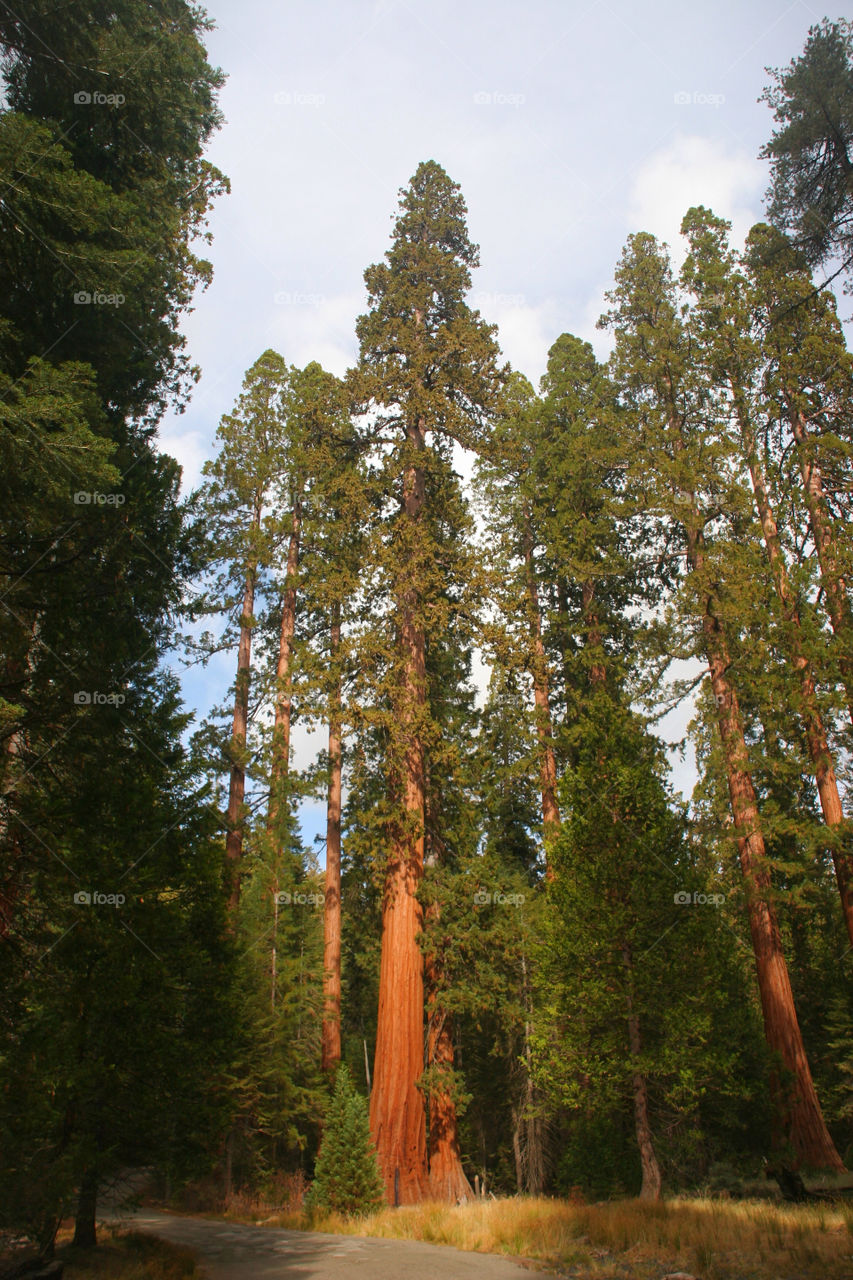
(428,372)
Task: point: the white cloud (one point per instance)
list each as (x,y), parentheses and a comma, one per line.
(191,448)
(693,171)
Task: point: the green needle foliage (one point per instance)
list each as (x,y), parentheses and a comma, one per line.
(346,1176)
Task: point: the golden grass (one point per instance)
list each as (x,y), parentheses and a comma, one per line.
(713,1239)
(129,1256)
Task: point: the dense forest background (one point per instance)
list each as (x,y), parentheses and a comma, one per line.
(543,968)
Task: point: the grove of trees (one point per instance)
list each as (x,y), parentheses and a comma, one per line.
(539,966)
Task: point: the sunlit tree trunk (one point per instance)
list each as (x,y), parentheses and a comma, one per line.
(816,739)
(331,1051)
(397,1116)
(284,678)
(239,729)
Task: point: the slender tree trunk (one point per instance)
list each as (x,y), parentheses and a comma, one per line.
(831,576)
(798,1109)
(331,1052)
(447,1180)
(542,703)
(816,740)
(529,1137)
(397,1117)
(85,1236)
(651,1185)
(239,729)
(280,764)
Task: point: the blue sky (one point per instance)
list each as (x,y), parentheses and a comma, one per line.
(567,125)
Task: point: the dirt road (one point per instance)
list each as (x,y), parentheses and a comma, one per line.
(232,1251)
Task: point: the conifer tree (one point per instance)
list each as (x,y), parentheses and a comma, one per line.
(346,1176)
(811,195)
(732,354)
(235,506)
(428,371)
(683,471)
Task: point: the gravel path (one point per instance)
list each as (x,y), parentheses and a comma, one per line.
(234,1251)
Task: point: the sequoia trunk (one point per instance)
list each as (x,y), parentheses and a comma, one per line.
(542,702)
(397,1116)
(280,764)
(239,728)
(798,1113)
(831,576)
(816,740)
(331,1050)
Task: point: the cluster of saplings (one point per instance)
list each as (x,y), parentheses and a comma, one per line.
(541,968)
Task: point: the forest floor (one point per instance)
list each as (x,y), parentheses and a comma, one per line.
(128,1256)
(712,1239)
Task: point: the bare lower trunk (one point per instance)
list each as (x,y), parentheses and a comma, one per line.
(331,1052)
(651,1184)
(831,576)
(816,739)
(529,1135)
(280,764)
(239,728)
(85,1234)
(798,1113)
(447,1180)
(542,703)
(397,1116)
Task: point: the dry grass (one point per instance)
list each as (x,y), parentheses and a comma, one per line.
(129,1256)
(712,1239)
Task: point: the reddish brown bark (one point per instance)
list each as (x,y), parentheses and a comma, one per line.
(798,1113)
(542,703)
(816,740)
(447,1180)
(831,576)
(237,786)
(651,1185)
(397,1116)
(331,1042)
(280,763)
